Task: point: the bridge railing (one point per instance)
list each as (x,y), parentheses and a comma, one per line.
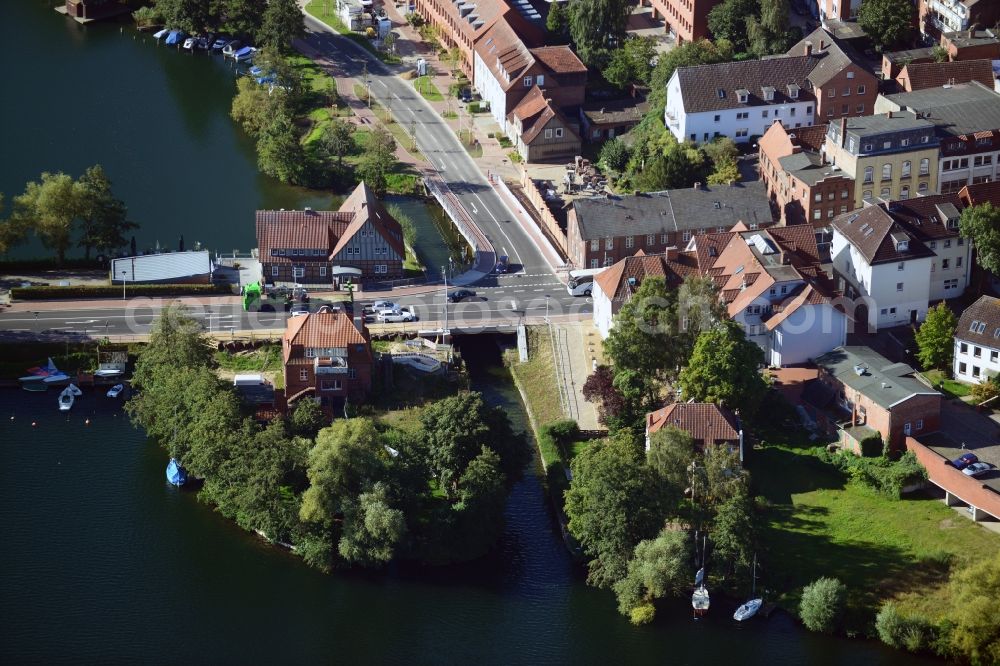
(474,236)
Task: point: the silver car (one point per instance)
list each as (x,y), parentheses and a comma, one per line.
(977,469)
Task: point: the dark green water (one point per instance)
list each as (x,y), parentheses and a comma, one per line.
(103,561)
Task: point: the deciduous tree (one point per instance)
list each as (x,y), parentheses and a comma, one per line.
(632,62)
(769,33)
(104,217)
(339,140)
(254,106)
(596,26)
(614,154)
(660,568)
(50,207)
(935,338)
(888,23)
(724,154)
(244,17)
(975,613)
(982,224)
(822,604)
(378,160)
(725,369)
(671,452)
(614,502)
(728,20)
(734,532)
(307,419)
(279,153)
(282,22)
(557,21)
(373,529)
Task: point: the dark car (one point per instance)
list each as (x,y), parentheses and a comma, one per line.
(465,95)
(964,460)
(460,295)
(502,264)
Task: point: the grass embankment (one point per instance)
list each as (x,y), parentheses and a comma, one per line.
(819,524)
(325,11)
(950,387)
(388,121)
(322,99)
(425,86)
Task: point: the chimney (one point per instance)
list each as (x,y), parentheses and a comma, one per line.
(822,45)
(843,131)
(808,48)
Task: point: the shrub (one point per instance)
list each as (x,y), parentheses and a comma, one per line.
(898,631)
(110,291)
(822,604)
(881,474)
(560,435)
(871,447)
(474,107)
(643,614)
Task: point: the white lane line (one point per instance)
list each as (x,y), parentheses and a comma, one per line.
(383,84)
(500,226)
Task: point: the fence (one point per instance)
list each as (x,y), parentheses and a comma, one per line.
(542,215)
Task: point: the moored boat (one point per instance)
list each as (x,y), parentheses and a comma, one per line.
(700,601)
(174,37)
(68,397)
(189,44)
(160,34)
(747,610)
(116,390)
(176,474)
(244,54)
(232,47)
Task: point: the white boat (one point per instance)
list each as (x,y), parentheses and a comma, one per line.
(109,372)
(160,34)
(747,610)
(68,397)
(57,378)
(700,600)
(189,44)
(116,390)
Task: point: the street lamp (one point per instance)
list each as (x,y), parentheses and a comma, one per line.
(124,274)
(444,274)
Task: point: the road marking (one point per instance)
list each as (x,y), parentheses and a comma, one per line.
(383,84)
(474,209)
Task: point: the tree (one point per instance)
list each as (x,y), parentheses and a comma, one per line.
(339,140)
(557,21)
(613,503)
(822,604)
(700,52)
(671,452)
(279,153)
(699,309)
(104,217)
(888,23)
(176,341)
(939,53)
(282,22)
(982,224)
(769,34)
(595,26)
(659,569)
(378,160)
(643,335)
(480,506)
(724,369)
(724,154)
(975,614)
(191,16)
(728,20)
(346,457)
(614,154)
(935,338)
(244,17)
(614,408)
(721,477)
(734,532)
(307,419)
(49,207)
(13,231)
(372,528)
(631,62)
(254,106)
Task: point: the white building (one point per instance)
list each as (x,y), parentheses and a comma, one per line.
(900,257)
(167,267)
(740,100)
(977,341)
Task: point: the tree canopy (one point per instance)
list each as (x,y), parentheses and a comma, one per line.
(596,27)
(725,369)
(822,604)
(982,224)
(888,23)
(660,567)
(935,338)
(632,62)
(282,22)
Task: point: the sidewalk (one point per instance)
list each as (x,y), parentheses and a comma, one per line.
(580,337)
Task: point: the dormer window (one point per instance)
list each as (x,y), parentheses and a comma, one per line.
(793,91)
(743,95)
(768,93)
(721,93)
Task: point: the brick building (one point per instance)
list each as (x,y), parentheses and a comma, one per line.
(919,76)
(687,20)
(603,230)
(707,423)
(800,186)
(327,356)
(870,395)
(323,247)
(843,84)
(972,44)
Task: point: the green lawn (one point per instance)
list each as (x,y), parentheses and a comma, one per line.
(425,85)
(818,524)
(950,387)
(473,147)
(266,357)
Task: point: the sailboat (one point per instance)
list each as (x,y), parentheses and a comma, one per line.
(700,600)
(750,608)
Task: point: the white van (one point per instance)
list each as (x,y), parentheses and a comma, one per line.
(581,282)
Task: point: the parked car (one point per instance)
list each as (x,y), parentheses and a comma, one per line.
(299,309)
(977,469)
(502,263)
(964,460)
(381,305)
(300,295)
(395,316)
(460,295)
(465,95)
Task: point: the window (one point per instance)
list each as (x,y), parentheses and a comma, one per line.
(832,93)
(663,239)
(608,260)
(721,93)
(924,166)
(329,385)
(322,271)
(843,209)
(527,82)
(381,268)
(650,239)
(886,172)
(884,193)
(947,243)
(594,263)
(994,355)
(831,195)
(303,375)
(718,117)
(351,372)
(763,114)
(540,79)
(818,214)
(829,213)
(975,371)
(901,266)
(609,243)
(847,92)
(861,90)
(548,133)
(922,187)
(860,109)
(907,429)
(559,132)
(869,174)
(868,147)
(791,111)
(595,244)
(850,144)
(944,265)
(924,139)
(742,132)
(844,194)
(818,196)
(742,96)
(867,194)
(686,236)
(845,109)
(298,271)
(904,193)
(629,241)
(742,115)
(958,260)
(962,368)
(850,74)
(963,348)
(899,286)
(274,271)
(906,169)
(809,110)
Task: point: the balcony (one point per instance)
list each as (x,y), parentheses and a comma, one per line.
(330,366)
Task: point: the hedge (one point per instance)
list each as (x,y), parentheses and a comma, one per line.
(45,293)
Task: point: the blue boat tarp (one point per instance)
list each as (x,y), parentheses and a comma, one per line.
(176,474)
(175,37)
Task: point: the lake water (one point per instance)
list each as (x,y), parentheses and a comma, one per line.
(156,118)
(102,560)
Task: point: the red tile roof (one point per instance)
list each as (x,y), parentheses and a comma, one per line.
(364,207)
(934,74)
(559,59)
(321,330)
(673,267)
(535,111)
(707,423)
(984,314)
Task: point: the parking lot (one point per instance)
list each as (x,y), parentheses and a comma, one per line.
(980,434)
